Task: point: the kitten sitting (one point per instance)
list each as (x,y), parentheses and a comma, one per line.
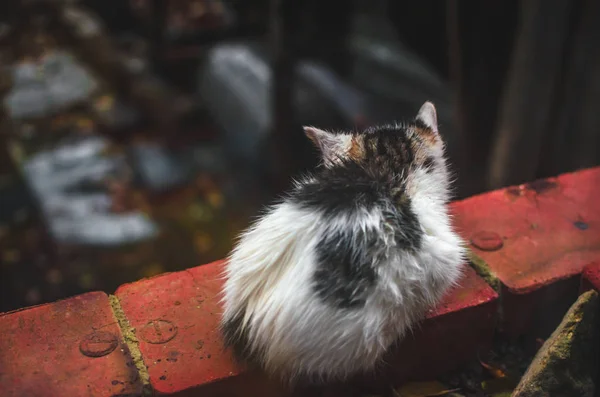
(327,279)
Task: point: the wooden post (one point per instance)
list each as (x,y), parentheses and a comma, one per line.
(530,91)
(280,152)
(480,41)
(574,142)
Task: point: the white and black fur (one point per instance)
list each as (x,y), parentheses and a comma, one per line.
(322,284)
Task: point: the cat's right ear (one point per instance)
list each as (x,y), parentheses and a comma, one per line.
(332,146)
(428,116)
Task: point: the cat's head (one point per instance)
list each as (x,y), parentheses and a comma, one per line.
(412,152)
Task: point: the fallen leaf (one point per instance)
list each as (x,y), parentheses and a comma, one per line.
(494,371)
(423,389)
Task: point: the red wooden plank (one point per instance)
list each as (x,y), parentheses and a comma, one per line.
(188,353)
(591,277)
(548,229)
(68,348)
(176,317)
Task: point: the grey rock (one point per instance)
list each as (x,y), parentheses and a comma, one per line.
(45,87)
(76,217)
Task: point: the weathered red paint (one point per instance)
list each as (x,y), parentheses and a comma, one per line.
(41,351)
(190,354)
(452,334)
(470,292)
(550,231)
(591,277)
(195,356)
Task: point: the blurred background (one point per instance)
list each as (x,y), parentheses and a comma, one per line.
(142,136)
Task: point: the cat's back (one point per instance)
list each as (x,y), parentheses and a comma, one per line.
(362,204)
(361,223)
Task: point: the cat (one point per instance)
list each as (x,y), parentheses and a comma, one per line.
(351,258)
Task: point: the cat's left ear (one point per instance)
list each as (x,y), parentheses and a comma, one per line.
(428,116)
(332,146)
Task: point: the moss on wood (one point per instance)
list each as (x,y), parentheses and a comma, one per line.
(483,270)
(132,343)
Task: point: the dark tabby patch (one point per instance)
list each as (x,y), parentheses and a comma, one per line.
(344,272)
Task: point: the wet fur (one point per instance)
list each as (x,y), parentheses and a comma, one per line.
(327,279)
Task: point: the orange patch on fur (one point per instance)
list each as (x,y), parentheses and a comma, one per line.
(428,136)
(356,151)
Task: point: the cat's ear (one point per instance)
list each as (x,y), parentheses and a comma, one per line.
(332,146)
(428,116)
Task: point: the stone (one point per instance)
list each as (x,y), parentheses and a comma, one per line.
(567,363)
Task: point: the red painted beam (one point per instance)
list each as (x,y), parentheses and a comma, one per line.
(535,239)
(72,347)
(176,316)
(591,277)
